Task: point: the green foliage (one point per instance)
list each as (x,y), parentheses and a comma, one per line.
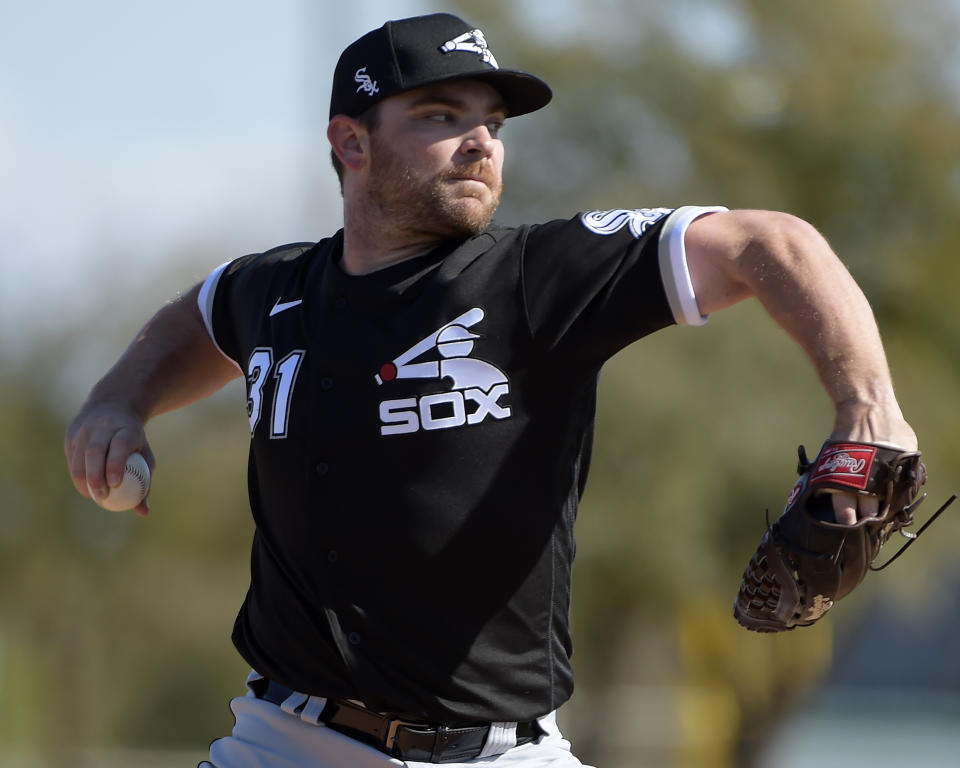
(842,113)
(131,617)
(845,115)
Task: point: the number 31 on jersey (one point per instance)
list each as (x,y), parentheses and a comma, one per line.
(258,369)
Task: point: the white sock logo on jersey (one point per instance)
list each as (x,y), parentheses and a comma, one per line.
(477,385)
(638,219)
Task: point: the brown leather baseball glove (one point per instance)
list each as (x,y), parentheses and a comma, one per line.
(806,560)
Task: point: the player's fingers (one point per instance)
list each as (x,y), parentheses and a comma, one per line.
(70,438)
(143,508)
(76,460)
(122,444)
(869,506)
(73,448)
(94,465)
(147,452)
(75,444)
(844,507)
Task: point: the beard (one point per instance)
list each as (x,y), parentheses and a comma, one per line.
(435,206)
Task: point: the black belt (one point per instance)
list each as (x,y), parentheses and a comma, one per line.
(422,742)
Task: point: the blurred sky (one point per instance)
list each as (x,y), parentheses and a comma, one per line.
(134,131)
(135,136)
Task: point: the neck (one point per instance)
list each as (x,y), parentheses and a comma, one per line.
(363,254)
(371,242)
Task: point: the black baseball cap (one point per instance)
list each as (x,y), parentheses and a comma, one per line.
(411,53)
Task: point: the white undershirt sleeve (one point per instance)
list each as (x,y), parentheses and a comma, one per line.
(673,264)
(205,302)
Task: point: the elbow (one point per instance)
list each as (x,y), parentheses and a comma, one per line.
(782,252)
(785,239)
(745,253)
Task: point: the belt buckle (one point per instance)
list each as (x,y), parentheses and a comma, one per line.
(391,738)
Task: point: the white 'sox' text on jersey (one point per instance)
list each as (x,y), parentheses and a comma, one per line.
(476,386)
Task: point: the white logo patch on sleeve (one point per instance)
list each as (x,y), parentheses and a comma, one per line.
(638,219)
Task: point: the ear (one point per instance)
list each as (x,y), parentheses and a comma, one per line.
(348,139)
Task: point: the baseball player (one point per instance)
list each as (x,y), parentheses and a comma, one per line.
(420,389)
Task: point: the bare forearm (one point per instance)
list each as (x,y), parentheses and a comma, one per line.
(809,293)
(170,363)
(789,267)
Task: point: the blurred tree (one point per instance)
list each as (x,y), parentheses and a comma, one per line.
(113,628)
(846,115)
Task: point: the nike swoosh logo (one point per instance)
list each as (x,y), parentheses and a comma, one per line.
(285,305)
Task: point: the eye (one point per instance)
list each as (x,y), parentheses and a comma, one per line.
(495,126)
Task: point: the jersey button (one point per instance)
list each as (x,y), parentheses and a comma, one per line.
(332,555)
(340,302)
(326,383)
(353,638)
(322,468)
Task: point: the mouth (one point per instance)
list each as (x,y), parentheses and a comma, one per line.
(477,179)
(476,187)
(473,173)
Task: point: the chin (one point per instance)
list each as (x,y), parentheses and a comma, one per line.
(471,222)
(470,214)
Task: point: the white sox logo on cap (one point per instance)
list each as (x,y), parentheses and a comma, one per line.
(367,84)
(472,42)
(476,385)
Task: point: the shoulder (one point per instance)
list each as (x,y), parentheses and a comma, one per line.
(598,229)
(281,254)
(290,261)
(632,223)
(249,276)
(288,252)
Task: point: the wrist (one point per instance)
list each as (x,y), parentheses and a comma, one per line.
(117,398)
(873,422)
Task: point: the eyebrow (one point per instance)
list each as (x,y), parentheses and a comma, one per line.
(453,102)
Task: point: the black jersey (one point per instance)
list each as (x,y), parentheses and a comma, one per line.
(419,442)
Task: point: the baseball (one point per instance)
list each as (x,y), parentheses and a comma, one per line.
(132,489)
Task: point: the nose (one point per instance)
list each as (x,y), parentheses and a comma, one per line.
(478,142)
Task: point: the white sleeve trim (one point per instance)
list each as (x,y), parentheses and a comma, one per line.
(673,264)
(205,303)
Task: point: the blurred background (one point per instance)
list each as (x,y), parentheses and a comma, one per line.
(142,144)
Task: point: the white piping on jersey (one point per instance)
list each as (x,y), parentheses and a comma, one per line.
(205,303)
(673,263)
